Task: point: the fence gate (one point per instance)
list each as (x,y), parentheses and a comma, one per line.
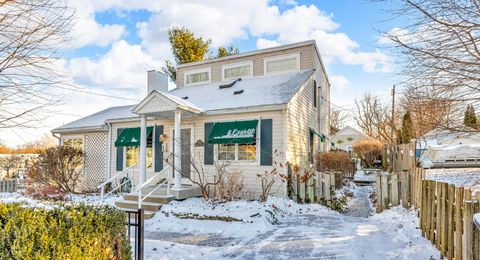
(136,220)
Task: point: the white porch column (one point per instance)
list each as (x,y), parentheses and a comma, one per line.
(178,150)
(143,149)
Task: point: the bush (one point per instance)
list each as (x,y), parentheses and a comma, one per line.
(338,161)
(58,167)
(230,187)
(64,232)
(368,150)
(44,192)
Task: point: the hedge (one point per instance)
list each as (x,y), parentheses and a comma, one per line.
(63,232)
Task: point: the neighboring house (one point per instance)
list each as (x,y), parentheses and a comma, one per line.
(346,137)
(252,109)
(447,148)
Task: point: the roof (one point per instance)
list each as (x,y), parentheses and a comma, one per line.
(351,129)
(277,89)
(257,91)
(97,120)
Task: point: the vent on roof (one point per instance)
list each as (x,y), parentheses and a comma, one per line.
(186,97)
(238,92)
(229,85)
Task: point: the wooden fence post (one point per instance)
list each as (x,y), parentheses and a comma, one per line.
(458,222)
(467,225)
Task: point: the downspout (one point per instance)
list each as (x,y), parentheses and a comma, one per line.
(58,138)
(109,152)
(285,169)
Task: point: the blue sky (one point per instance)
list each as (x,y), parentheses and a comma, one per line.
(117,41)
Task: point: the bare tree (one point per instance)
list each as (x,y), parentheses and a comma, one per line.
(374,118)
(32,32)
(338,119)
(438,49)
(9,163)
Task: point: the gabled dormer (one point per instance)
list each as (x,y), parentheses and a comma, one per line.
(281,59)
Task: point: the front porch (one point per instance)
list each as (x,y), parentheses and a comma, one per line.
(168,164)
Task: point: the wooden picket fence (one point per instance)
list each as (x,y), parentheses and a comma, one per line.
(8,185)
(325,186)
(317,186)
(446,219)
(446,211)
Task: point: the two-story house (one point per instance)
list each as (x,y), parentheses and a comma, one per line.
(251,109)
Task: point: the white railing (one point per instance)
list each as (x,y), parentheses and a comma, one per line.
(102,186)
(139,188)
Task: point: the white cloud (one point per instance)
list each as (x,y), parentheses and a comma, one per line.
(265,43)
(125,66)
(86,30)
(339,82)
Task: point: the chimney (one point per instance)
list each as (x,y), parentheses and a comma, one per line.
(157,81)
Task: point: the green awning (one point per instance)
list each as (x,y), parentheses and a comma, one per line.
(131,136)
(243,132)
(321,136)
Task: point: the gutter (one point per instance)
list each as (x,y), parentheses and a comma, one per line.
(58,138)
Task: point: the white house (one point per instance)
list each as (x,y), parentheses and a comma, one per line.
(252,109)
(346,137)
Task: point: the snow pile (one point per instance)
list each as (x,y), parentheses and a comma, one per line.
(365,175)
(236,218)
(464,177)
(16,197)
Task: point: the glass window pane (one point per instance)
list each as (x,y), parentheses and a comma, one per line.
(132,156)
(226,152)
(197,77)
(236,72)
(282,65)
(247,152)
(149,157)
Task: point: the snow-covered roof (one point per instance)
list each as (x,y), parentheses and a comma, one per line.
(97,120)
(265,90)
(257,91)
(440,136)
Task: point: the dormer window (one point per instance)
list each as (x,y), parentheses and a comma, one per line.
(237,70)
(282,63)
(197,77)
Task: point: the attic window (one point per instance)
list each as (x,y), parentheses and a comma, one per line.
(238,92)
(282,63)
(236,70)
(197,77)
(229,85)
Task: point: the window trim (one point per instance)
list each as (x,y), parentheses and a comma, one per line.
(257,144)
(196,71)
(279,58)
(315,94)
(237,64)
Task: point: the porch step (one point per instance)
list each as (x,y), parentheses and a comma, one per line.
(146,213)
(163,199)
(130,204)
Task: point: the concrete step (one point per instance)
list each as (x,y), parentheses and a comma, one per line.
(129,204)
(162,199)
(146,213)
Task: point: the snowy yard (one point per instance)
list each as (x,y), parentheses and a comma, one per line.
(466,177)
(278,229)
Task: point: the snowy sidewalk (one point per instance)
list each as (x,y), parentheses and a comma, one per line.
(359,206)
(390,235)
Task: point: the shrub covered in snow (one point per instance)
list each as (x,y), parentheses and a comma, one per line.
(62,232)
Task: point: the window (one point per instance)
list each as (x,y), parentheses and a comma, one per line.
(132,154)
(315,97)
(74,142)
(197,77)
(226,152)
(310,148)
(237,152)
(237,70)
(284,63)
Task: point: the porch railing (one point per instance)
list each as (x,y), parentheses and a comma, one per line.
(102,186)
(138,189)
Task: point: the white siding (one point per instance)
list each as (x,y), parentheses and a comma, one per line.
(249,170)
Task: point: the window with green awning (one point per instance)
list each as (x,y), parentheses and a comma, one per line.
(321,136)
(131,136)
(235,132)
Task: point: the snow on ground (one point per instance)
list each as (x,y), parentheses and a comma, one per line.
(302,231)
(16,197)
(365,175)
(465,177)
